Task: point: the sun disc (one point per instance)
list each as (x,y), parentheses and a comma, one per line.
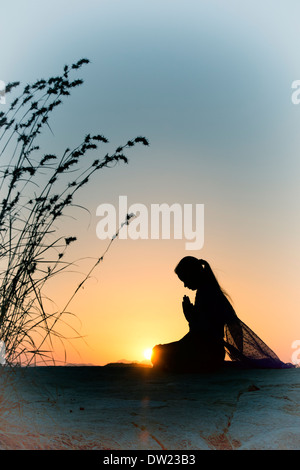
(148,354)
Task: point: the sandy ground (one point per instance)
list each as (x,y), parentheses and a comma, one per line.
(137,408)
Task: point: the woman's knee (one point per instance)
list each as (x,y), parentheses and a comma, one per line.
(156,354)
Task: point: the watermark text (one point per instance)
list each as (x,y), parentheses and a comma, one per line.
(161,221)
(296,353)
(2,352)
(2,92)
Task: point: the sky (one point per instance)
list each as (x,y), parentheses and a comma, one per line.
(208,83)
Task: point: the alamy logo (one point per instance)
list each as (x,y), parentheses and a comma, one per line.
(296,354)
(2,92)
(161,221)
(2,352)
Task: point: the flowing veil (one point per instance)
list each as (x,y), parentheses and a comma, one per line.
(244,347)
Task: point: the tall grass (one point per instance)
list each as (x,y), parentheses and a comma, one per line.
(35,191)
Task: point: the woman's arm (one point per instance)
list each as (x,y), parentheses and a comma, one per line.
(188,308)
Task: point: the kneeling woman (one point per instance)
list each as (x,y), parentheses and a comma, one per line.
(210,318)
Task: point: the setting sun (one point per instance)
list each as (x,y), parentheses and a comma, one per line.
(148,353)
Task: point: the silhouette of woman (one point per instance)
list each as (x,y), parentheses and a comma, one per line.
(213,329)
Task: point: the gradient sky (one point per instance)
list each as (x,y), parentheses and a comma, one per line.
(209,84)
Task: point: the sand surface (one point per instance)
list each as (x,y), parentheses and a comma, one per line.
(137,408)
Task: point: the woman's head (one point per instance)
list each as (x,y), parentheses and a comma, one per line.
(196,273)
